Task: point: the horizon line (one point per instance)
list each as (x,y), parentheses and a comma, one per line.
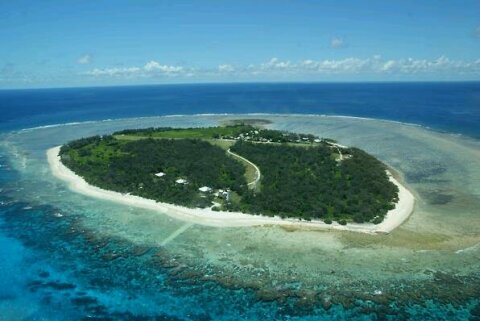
(244,83)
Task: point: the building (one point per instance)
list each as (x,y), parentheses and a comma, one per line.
(226,195)
(205,189)
(160,174)
(181,181)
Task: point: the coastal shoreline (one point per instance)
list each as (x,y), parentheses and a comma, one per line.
(208,217)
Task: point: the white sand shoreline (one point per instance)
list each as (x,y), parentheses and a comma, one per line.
(393,219)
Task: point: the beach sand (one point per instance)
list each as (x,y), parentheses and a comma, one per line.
(205,216)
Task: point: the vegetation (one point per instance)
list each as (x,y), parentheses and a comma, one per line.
(232,132)
(199,133)
(302,176)
(310,183)
(130,167)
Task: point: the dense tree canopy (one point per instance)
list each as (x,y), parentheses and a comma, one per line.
(311,183)
(130,167)
(302,176)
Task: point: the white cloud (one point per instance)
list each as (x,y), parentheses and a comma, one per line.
(150,69)
(226,68)
(276,68)
(275,64)
(337,42)
(85,59)
(371,65)
(347,65)
(389,65)
(113,71)
(157,67)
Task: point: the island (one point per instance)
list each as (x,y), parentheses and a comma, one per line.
(237,174)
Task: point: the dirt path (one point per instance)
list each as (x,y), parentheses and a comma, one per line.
(257,170)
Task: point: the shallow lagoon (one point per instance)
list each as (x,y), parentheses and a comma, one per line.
(113,261)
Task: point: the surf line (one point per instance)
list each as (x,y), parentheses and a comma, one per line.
(176,233)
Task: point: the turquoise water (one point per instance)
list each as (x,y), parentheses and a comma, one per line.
(66,256)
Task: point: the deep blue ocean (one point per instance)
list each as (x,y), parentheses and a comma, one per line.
(451,107)
(49,270)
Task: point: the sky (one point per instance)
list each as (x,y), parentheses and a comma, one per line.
(104,43)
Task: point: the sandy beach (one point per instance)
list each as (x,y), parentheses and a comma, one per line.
(393,219)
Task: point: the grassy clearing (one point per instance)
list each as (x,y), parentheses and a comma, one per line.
(199,133)
(222,143)
(129,137)
(97,153)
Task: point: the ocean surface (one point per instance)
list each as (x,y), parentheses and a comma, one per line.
(65,256)
(452,107)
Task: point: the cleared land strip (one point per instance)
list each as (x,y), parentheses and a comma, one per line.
(258,174)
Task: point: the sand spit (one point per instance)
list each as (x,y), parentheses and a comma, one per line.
(202,216)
